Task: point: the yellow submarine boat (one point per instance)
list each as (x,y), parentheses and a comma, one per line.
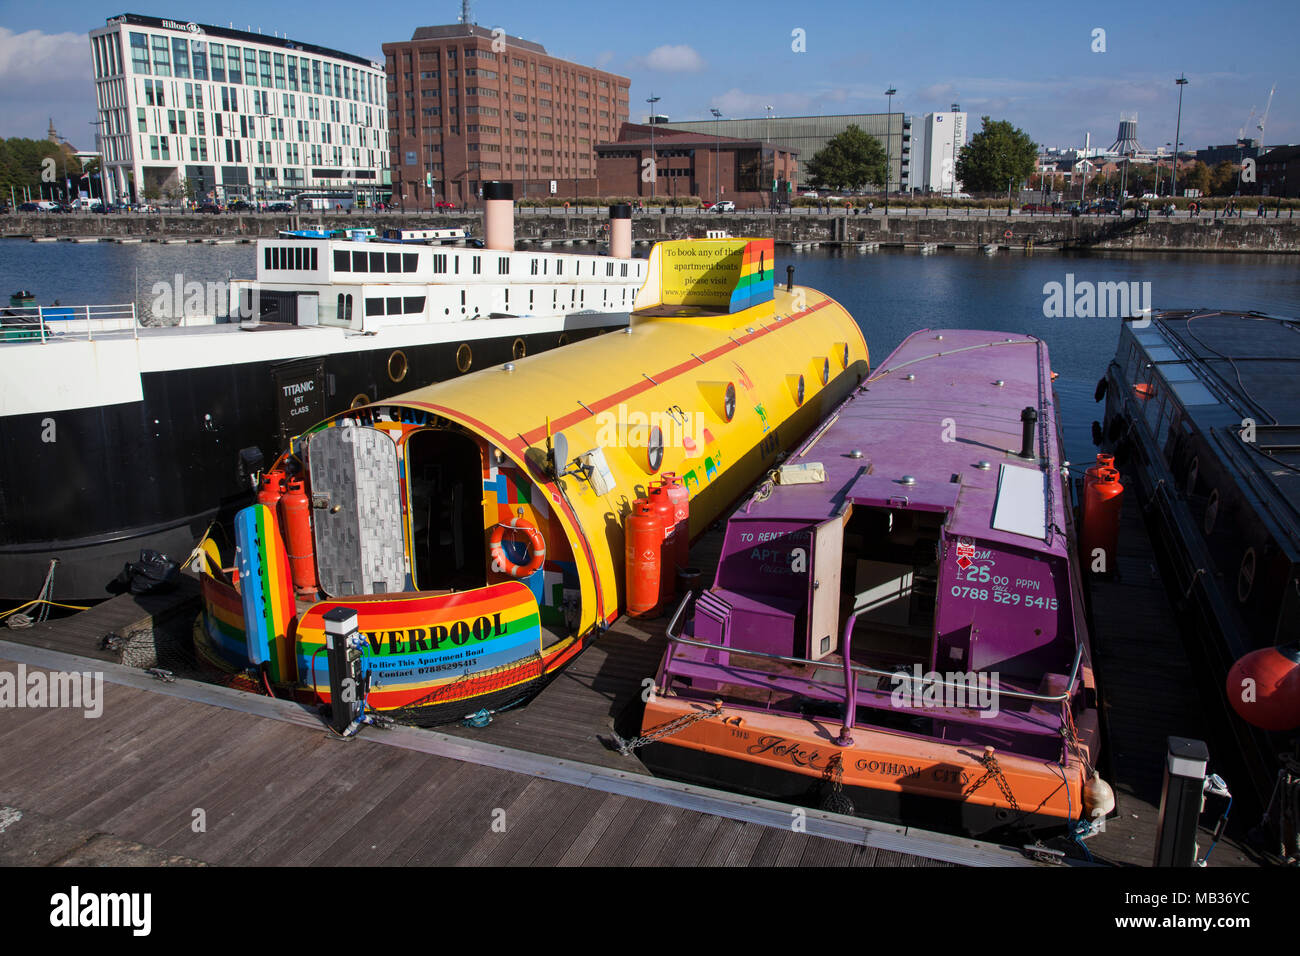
(476,526)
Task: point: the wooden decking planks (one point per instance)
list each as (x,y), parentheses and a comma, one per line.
(125,786)
(1148,694)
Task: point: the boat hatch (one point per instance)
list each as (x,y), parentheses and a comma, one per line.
(1021,507)
(445,476)
(920,494)
(356,511)
(299,396)
(1193,393)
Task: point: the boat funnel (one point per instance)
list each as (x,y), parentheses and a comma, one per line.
(620,230)
(1028,420)
(499,216)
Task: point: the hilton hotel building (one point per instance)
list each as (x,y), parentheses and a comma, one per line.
(237,114)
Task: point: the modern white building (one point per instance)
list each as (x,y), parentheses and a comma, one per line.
(215,113)
(940,140)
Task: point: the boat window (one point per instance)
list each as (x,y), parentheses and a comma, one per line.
(376,262)
(394,305)
(609,268)
(338,312)
(456,265)
(624,273)
(359,262)
(534,267)
(559,267)
(349,305)
(394,262)
(530,298)
(413,304)
(374,306)
(410,261)
(503,266)
(478,265)
(440,263)
(266,258)
(342,261)
(313,259)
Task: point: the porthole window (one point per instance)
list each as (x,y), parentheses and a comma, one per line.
(361,399)
(826,371)
(844,356)
(519,349)
(729,402)
(799,392)
(464,357)
(397,366)
(1211,512)
(563,340)
(655,449)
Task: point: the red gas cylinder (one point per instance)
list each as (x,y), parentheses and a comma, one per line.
(1090,476)
(667,512)
(295,524)
(1264,687)
(1102,502)
(272,489)
(681,499)
(643,533)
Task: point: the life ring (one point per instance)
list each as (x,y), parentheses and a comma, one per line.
(1193,208)
(605,228)
(1008,234)
(502,564)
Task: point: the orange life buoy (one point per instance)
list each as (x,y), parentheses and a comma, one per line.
(502,564)
(1008,234)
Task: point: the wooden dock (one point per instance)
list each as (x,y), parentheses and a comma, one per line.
(275,788)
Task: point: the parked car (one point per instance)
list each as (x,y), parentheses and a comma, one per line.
(444,204)
(725,206)
(209,207)
(240,205)
(279,206)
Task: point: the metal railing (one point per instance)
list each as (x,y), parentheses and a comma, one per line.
(851,670)
(61,322)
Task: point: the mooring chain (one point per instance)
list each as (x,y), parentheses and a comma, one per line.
(836,801)
(625,747)
(993,772)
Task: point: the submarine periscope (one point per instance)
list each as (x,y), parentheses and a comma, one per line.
(476,526)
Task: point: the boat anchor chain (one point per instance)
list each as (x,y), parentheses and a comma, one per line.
(625,747)
(993,772)
(836,801)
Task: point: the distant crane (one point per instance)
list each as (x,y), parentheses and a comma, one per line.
(1263,119)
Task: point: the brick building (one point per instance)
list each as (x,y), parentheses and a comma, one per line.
(690,164)
(467,106)
(1278,172)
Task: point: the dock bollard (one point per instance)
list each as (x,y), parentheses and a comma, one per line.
(344,662)
(1180,802)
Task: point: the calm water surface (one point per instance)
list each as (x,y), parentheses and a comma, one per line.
(890,293)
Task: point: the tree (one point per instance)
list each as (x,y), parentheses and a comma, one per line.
(1223,180)
(849,160)
(995,156)
(1198,177)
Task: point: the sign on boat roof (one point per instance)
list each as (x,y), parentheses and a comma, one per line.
(693,277)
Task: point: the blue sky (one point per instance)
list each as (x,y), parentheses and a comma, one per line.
(1030,63)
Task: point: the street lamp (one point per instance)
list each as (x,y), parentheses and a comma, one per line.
(766,143)
(717,152)
(889,139)
(1181,81)
(955,110)
(654,159)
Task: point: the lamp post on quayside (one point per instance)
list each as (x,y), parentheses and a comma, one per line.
(889,139)
(654,159)
(1181,81)
(717,152)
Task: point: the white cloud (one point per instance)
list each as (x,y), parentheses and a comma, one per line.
(44,75)
(604,58)
(671,59)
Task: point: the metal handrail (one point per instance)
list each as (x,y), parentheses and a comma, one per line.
(72,321)
(872,671)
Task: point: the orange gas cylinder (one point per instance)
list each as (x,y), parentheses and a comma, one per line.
(643,533)
(295,523)
(681,499)
(1264,687)
(272,489)
(667,512)
(1101,509)
(1090,476)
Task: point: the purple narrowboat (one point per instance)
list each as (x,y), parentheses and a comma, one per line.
(897,618)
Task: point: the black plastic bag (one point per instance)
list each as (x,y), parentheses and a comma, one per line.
(152,574)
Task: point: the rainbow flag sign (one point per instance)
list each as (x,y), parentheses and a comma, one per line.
(266,590)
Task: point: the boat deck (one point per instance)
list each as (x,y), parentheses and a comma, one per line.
(113,786)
